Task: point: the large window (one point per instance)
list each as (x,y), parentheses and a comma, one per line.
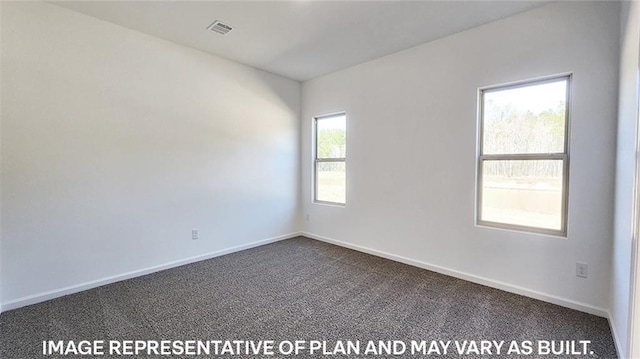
(330,159)
(523,161)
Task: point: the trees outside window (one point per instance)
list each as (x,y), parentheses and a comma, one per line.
(523,161)
(330,167)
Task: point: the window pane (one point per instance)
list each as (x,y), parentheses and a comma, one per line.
(331,182)
(331,137)
(525,193)
(527,119)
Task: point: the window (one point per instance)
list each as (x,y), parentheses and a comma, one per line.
(330,159)
(523,161)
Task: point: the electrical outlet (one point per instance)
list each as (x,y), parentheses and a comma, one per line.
(581,269)
(195,234)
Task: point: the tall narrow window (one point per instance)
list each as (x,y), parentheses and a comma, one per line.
(523,162)
(330,159)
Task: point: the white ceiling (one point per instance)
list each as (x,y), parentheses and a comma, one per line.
(301,39)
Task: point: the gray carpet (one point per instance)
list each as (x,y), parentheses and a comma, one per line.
(297,289)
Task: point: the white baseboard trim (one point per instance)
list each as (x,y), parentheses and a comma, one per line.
(616,339)
(41,297)
(564,302)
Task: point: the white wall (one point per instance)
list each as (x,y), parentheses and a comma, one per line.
(116,144)
(414,113)
(625,172)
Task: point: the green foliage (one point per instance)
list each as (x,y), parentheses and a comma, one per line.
(555,118)
(332,143)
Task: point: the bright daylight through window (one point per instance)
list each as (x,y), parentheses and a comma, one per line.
(523,163)
(330,159)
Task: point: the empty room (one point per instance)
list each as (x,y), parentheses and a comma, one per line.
(302,179)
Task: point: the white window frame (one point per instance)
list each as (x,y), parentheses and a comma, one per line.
(317,160)
(563,156)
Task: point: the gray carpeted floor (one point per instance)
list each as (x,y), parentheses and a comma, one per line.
(298,289)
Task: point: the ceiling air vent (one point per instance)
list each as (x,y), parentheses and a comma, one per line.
(219,27)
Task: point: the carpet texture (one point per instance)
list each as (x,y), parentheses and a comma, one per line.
(297,289)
